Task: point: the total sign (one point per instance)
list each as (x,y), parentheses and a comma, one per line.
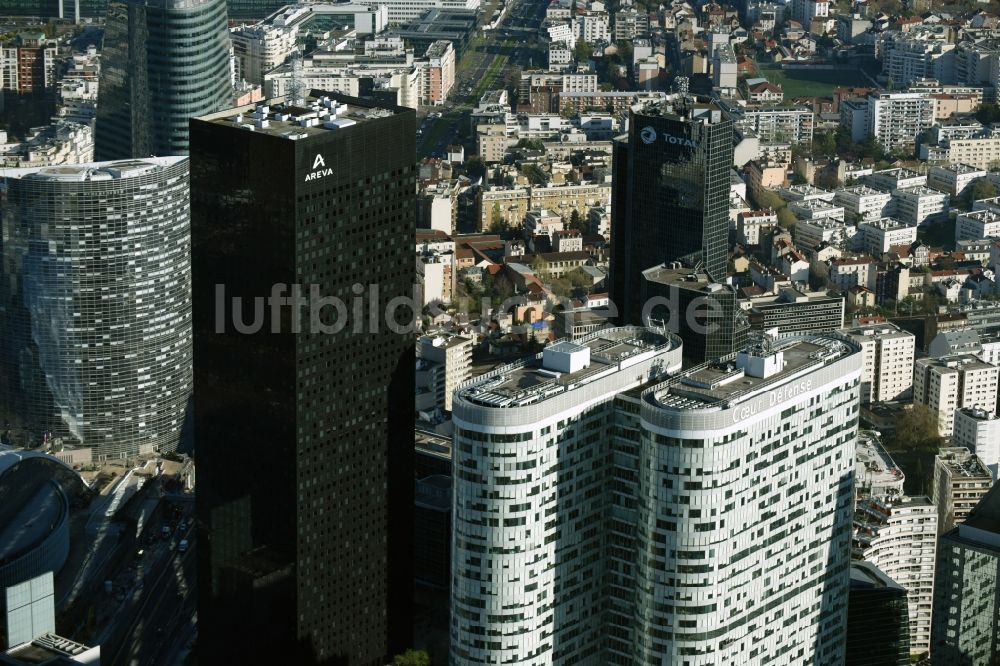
(319,169)
(648,136)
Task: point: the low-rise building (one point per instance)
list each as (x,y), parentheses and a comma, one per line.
(877,236)
(896,178)
(861,202)
(953,178)
(977,225)
(920,205)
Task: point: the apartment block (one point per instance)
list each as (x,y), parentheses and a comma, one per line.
(978,429)
(953,382)
(887,361)
(960,481)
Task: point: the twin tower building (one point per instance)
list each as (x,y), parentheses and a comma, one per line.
(609,507)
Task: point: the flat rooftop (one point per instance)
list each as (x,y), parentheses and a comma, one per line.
(93,172)
(528,381)
(722,383)
(687,278)
(317,113)
(876,462)
(878,331)
(962,462)
(888,224)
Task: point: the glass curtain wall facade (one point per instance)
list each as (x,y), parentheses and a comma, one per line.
(878,631)
(95,308)
(164,62)
(304,436)
(671,195)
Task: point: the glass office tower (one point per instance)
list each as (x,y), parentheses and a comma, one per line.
(95,308)
(878,619)
(164,62)
(303,422)
(967,588)
(670,199)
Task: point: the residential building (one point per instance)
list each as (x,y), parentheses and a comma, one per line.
(920,205)
(897,178)
(953,382)
(978,430)
(978,224)
(899,536)
(674,165)
(876,474)
(896,119)
(849,272)
(752,225)
(861,202)
(438,71)
(774,124)
(162,64)
(960,480)
(953,178)
(878,235)
(28,64)
(454,352)
(104,319)
(305,537)
(826,227)
(877,619)
(259,48)
(887,365)
(967,588)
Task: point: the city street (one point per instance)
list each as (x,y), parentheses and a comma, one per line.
(491,55)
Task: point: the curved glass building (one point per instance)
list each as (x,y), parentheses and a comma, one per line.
(164,62)
(95,302)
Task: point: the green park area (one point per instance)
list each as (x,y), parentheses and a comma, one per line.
(811,82)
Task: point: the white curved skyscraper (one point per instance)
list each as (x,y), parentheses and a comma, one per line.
(95,302)
(530,476)
(601,517)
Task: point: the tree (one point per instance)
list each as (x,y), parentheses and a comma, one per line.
(412,658)
(576,221)
(786,219)
(498,223)
(819,275)
(982,188)
(988,113)
(916,430)
(583,51)
(475,168)
(768,199)
(540,268)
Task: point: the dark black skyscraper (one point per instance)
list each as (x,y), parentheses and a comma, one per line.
(303,432)
(670,199)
